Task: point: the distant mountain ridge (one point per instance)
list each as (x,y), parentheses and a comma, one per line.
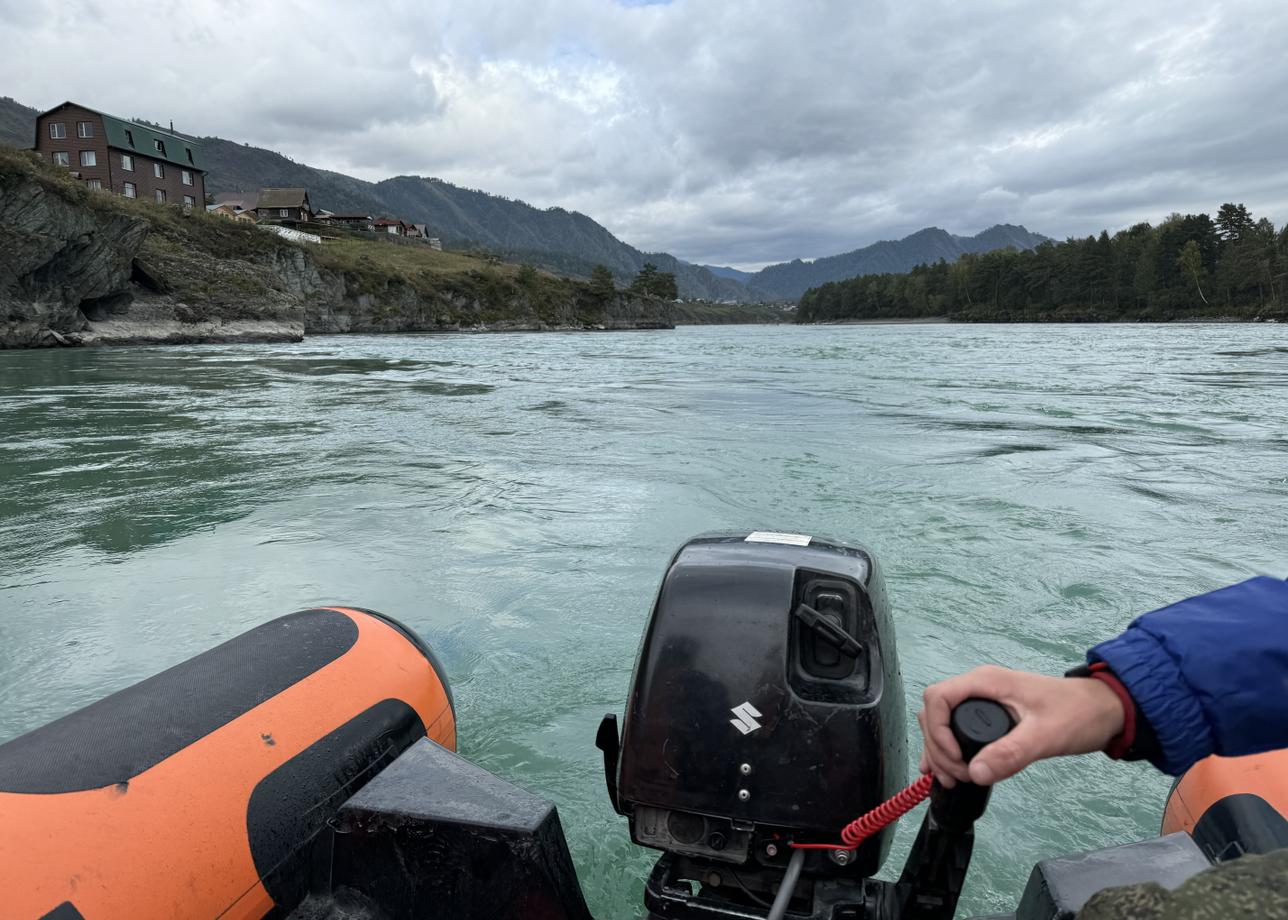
(723,271)
(789,280)
(561,241)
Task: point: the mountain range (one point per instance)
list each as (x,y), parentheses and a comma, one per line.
(565,242)
(789,280)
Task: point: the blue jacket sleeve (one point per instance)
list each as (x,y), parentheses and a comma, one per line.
(1210,673)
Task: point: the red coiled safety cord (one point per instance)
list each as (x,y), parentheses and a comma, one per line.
(888,812)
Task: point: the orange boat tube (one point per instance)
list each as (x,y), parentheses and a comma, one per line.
(1232,805)
(199,792)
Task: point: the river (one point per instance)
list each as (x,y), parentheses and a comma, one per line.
(515,499)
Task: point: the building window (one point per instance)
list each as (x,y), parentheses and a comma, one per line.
(283,212)
(129,137)
(160,196)
(187,176)
(84,129)
(131,190)
(88,158)
(158,170)
(127,162)
(57,130)
(159,147)
(62,158)
(188,150)
(189,201)
(95,185)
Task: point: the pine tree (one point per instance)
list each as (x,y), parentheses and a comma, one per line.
(1234,222)
(601,282)
(653,283)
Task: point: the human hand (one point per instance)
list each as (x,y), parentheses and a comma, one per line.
(1054,716)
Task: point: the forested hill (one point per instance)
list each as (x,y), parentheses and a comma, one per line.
(1188,266)
(17,123)
(789,280)
(562,241)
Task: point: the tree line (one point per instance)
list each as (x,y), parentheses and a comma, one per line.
(650,282)
(1189,265)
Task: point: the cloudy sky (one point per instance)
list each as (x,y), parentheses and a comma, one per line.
(725,131)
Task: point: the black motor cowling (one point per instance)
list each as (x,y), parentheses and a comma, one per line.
(766,705)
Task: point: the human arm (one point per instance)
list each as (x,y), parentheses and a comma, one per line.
(1053,716)
(1205,675)
(1210,673)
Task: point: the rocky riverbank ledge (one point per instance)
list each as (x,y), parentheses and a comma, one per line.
(81,267)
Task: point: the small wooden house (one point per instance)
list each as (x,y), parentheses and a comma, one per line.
(284,205)
(232,211)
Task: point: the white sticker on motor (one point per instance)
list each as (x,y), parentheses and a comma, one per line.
(766,536)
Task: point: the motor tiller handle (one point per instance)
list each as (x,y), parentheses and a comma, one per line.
(936,868)
(976,723)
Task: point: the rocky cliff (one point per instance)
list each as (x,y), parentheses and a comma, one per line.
(63,262)
(85,268)
(88,268)
(344,300)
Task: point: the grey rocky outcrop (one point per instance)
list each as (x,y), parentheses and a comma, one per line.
(344,304)
(78,269)
(60,260)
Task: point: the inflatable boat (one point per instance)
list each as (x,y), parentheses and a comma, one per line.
(307,769)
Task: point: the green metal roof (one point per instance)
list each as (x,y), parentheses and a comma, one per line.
(120,133)
(138,138)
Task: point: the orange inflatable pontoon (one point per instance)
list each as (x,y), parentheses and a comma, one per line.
(1232,805)
(196,793)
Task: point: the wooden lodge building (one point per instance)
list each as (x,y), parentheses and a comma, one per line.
(125,157)
(290,205)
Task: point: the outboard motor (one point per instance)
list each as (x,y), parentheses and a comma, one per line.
(766,708)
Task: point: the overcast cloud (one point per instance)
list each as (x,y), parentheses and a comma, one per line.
(739,132)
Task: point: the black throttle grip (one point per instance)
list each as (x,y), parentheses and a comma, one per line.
(932,878)
(977,723)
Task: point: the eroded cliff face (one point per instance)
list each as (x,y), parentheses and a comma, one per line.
(78,269)
(59,261)
(344,303)
(83,268)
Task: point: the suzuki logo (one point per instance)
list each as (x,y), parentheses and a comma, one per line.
(746,721)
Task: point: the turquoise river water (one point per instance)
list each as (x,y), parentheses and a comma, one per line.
(515,499)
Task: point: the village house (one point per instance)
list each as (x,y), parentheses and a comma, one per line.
(392,227)
(125,157)
(348,221)
(238,201)
(231,210)
(284,204)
